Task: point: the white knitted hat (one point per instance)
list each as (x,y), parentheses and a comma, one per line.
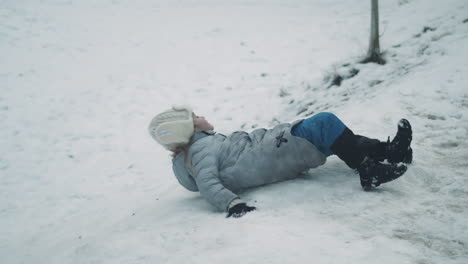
(173,127)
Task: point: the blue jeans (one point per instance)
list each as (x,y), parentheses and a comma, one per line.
(321,130)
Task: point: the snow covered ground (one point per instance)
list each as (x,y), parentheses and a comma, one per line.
(81,181)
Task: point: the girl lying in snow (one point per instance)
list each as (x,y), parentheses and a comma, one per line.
(218,166)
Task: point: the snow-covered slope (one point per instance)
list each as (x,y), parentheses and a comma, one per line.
(82,182)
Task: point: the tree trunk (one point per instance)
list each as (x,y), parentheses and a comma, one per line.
(373,54)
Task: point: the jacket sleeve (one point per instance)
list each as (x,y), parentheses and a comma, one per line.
(211,188)
(182,175)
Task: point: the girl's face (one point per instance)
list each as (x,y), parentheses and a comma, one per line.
(201,124)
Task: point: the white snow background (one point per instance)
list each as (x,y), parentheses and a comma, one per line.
(81,180)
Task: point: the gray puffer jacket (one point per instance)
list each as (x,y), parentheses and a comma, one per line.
(218,166)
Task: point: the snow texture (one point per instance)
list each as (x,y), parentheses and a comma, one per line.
(81,181)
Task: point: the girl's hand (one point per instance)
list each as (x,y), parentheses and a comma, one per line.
(239,210)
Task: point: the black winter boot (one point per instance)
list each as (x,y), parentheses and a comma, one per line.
(356,152)
(396,151)
(374,173)
(399,149)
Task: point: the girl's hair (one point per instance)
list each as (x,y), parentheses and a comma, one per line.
(184,149)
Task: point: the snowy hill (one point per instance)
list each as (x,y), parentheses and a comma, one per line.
(81,181)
